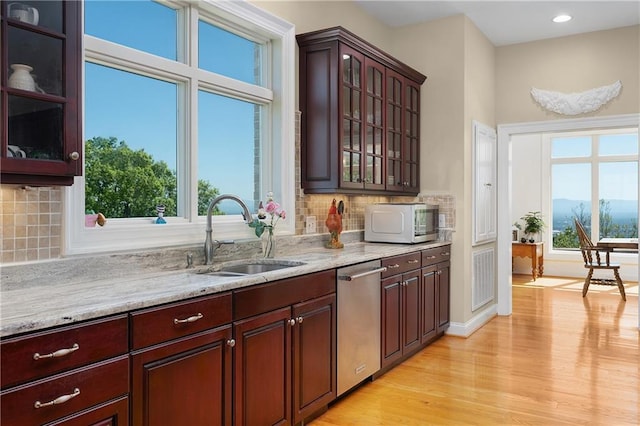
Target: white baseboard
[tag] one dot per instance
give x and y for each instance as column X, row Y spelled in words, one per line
column 466, row 329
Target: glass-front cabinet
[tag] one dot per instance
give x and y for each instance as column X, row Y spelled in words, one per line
column 360, row 117
column 362, row 125
column 41, row 123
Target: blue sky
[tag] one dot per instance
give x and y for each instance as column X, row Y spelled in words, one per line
column 618, row 181
column 142, row 111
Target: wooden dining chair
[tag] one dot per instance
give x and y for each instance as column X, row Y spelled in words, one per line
column 593, row 260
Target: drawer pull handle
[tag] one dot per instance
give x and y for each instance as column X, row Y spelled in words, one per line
column 394, row 266
column 58, row 353
column 445, row 253
column 190, row 319
column 431, row 257
column 412, row 261
column 59, row 400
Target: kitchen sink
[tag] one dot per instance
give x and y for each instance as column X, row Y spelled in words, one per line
column 251, row 267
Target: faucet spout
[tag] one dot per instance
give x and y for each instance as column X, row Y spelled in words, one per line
column 208, row 242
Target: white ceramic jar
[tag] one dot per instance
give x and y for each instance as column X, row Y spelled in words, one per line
column 21, row 77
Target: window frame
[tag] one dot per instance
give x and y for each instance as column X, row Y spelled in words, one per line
column 594, row 160
column 278, row 130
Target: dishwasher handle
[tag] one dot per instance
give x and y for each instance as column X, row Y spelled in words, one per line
column 361, row 274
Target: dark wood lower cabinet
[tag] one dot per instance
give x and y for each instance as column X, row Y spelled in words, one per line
column 285, row 366
column 284, row 358
column 401, row 309
column 314, row 356
column 415, row 303
column 186, row 381
column 443, row 296
column 263, row 369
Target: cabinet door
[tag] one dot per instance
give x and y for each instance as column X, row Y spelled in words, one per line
column 374, row 159
column 428, row 295
column 391, row 315
column 394, row 107
column 314, row 356
column 40, row 93
column 184, row 381
column 443, row 291
column 411, row 308
column 411, row 144
column 262, row 372
column 352, row 108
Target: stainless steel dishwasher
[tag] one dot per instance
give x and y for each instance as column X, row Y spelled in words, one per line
column 358, row 323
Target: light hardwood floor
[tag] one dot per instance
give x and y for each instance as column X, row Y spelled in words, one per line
column 559, row 359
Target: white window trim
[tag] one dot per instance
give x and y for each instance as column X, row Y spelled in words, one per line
column 141, row 233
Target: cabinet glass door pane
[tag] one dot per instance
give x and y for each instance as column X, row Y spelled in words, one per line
column 351, row 167
column 42, row 56
column 35, row 128
column 351, row 70
column 47, row 14
column 346, row 134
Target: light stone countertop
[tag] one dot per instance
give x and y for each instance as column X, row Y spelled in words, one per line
column 38, row 296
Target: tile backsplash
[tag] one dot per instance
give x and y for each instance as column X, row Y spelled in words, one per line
column 31, row 218
column 31, row 223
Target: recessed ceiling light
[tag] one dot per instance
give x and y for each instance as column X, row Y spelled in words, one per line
column 562, row 18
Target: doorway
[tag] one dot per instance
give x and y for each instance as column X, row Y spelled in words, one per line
column 505, row 185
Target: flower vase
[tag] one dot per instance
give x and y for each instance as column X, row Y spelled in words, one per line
column 268, row 244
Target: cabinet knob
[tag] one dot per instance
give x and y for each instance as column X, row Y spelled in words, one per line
column 231, row 343
column 299, row 319
column 74, row 156
column 292, row 322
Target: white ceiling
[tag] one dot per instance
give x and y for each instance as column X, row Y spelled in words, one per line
column 510, row 22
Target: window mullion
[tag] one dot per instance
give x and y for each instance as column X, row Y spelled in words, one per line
column 595, row 188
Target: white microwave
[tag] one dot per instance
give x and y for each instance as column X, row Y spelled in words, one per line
column 406, row 223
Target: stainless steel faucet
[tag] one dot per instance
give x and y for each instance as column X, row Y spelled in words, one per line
column 209, row 245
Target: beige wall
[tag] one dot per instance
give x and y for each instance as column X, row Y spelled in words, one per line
column 315, row 15
column 568, row 64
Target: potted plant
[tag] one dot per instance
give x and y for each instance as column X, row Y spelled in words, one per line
column 533, row 224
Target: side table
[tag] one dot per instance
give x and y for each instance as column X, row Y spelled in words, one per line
column 535, row 251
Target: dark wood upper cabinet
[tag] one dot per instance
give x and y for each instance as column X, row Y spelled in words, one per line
column 360, row 117
column 40, row 140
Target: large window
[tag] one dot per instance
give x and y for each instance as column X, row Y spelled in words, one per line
column 183, row 101
column 594, row 178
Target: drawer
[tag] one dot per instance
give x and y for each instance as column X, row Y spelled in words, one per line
column 400, row 264
column 163, row 323
column 37, row 355
column 436, row 255
column 74, row 391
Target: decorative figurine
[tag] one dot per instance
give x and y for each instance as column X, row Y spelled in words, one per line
column 334, row 223
column 160, row 210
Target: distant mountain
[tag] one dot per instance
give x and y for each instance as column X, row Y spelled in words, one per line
column 623, row 211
